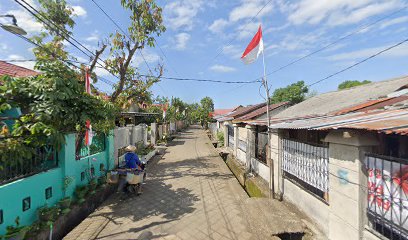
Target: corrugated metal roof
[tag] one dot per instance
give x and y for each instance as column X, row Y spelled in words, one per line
column 330, row 102
column 387, row 121
column 260, row 111
column 240, row 112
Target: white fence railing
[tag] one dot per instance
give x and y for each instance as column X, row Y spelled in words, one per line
column 307, row 164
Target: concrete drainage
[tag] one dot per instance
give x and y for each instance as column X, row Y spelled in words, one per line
column 290, row 236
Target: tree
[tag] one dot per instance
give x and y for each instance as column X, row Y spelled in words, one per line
column 351, row 83
column 53, row 103
column 294, row 93
column 146, row 22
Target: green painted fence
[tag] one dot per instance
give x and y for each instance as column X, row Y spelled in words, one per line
column 22, row 197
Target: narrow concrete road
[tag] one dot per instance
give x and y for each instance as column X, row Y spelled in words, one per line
column 190, row 194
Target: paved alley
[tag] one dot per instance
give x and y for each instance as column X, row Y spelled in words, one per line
column 190, row 194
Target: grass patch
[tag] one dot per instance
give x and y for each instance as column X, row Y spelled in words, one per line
column 253, row 190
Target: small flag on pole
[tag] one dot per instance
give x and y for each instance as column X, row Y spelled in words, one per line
column 88, row 133
column 254, row 48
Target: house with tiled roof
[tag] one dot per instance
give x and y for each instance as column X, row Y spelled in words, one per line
column 13, row 70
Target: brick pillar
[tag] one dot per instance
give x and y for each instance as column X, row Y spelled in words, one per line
column 347, row 183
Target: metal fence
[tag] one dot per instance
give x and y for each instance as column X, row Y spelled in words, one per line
column 242, row 145
column 230, row 136
column 387, row 201
column 307, row 165
column 98, row 145
column 261, row 146
column 42, row 159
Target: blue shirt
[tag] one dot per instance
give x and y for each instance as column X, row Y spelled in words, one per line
column 132, row 160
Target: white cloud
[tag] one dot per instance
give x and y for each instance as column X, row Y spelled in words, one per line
column 181, row 13
column 401, row 51
column 102, row 72
column 94, row 37
column 394, row 22
column 29, row 65
column 247, row 30
column 149, row 56
column 222, row 68
column 218, row 25
column 181, row 41
column 79, row 11
column 249, row 8
column 232, row 50
column 337, row 12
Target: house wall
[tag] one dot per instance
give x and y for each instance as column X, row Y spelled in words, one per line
column 12, row 194
column 260, row 168
column 347, row 183
column 313, row 207
column 242, row 136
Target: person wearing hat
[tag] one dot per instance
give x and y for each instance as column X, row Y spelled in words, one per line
column 131, row 158
column 133, row 162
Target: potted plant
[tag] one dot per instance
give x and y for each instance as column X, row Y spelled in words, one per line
column 17, row 232
column 48, row 214
column 80, row 193
column 102, row 180
column 64, row 204
column 92, row 185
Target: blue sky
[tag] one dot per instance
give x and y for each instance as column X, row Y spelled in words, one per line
column 198, row 30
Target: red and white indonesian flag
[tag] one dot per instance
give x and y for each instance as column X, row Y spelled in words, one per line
column 254, row 49
column 88, row 133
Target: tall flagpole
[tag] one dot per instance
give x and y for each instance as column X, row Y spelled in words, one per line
column 271, row 169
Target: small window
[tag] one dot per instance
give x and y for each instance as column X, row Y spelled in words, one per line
column 82, row 176
column 102, row 167
column 26, row 203
column 48, row 193
column 1, row 217
column 92, row 171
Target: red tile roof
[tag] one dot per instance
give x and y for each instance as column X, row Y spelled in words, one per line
column 218, row 112
column 15, row 71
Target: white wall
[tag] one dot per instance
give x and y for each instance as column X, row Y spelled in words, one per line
column 260, row 168
column 241, row 156
column 314, row 208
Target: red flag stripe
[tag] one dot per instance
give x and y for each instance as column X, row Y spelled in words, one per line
column 254, row 42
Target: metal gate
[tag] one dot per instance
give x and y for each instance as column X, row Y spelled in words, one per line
column 230, row 136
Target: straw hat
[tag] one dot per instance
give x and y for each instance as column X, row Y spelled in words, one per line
column 130, row 148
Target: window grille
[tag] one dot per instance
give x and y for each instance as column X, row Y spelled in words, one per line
column 307, row 165
column 43, row 159
column 387, row 195
column 261, row 146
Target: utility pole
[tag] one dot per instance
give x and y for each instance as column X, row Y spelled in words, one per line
column 271, row 169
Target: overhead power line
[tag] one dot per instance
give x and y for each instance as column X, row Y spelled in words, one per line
column 203, row 80
column 362, row 28
column 117, row 25
column 68, row 62
column 142, row 75
column 360, row 62
column 66, row 35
